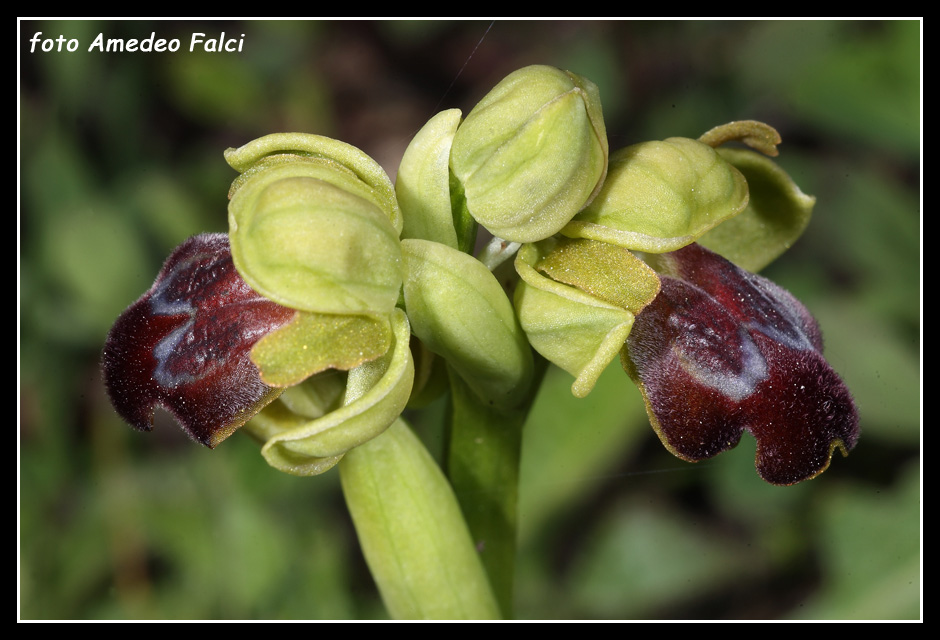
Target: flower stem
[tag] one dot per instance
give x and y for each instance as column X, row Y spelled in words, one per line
column 483, row 467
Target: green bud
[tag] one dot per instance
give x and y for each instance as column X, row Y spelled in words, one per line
column 661, row 196
column 308, row 234
column 459, row 311
column 532, row 153
column 577, row 301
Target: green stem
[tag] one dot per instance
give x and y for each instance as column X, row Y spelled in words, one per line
column 483, row 466
column 412, row 532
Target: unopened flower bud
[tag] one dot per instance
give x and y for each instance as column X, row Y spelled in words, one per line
column 532, row 153
column 423, row 186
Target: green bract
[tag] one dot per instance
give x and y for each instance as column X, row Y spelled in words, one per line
column 661, row 196
column 532, row 153
column 412, row 531
column 577, row 301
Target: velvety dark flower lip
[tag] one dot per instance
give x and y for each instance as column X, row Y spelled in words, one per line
column 185, row 345
column 721, row 350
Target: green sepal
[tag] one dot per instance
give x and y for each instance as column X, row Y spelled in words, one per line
column 579, row 331
column 412, row 532
column 459, row 311
column 315, row 342
column 532, row 153
column 310, row 145
column 375, row 395
column 313, row 244
column 776, row 214
column 423, row 181
column 277, row 167
column 661, row 196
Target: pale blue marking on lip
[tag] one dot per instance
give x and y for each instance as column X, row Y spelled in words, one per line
column 735, row 385
column 164, row 349
column 162, row 353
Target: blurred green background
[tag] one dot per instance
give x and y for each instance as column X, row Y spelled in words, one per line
column 121, row 160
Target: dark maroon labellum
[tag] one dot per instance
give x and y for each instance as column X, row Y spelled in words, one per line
column 185, row 344
column 721, row 350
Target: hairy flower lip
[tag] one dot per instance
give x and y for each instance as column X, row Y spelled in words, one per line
column 720, row 351
column 184, row 345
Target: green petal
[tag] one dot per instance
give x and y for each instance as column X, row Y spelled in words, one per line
column 578, row 331
column 314, row 342
column 755, row 134
column 606, row 271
